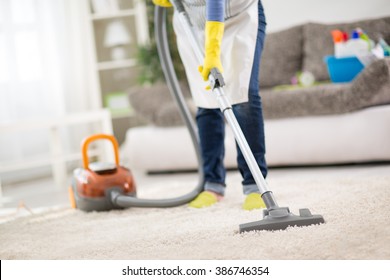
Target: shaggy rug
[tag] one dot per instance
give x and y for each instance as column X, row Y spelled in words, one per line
column 355, row 202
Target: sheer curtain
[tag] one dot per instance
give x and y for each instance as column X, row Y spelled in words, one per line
column 44, row 68
column 30, row 54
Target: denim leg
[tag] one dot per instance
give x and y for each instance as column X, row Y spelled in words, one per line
column 250, row 116
column 211, row 128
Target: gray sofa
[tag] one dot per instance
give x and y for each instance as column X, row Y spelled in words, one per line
column 322, row 124
column 303, row 48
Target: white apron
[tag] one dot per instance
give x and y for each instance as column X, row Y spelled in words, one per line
column 237, row 50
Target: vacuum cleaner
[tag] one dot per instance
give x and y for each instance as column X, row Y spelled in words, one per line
column 91, row 183
column 88, row 194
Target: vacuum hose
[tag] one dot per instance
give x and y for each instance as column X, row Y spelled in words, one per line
column 118, row 198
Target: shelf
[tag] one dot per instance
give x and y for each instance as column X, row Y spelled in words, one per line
column 117, row 76
column 116, row 14
column 121, row 116
column 109, row 65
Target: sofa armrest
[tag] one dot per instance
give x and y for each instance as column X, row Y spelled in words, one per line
column 372, row 86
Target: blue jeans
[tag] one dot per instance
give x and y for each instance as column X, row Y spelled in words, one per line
column 249, row 115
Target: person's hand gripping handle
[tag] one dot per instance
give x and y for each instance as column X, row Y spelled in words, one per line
column 214, row 30
column 213, row 39
column 162, row 3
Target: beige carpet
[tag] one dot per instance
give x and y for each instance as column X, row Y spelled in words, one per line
column 355, row 202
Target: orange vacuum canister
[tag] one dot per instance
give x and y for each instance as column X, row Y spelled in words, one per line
column 92, row 184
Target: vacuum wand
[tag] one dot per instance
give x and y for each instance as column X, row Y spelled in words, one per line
column 274, row 217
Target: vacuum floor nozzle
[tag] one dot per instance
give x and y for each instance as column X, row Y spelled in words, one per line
column 280, row 218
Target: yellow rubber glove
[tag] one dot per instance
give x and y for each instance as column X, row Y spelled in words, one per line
column 213, row 35
column 162, row 3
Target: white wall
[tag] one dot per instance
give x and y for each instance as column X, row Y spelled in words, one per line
column 281, row 14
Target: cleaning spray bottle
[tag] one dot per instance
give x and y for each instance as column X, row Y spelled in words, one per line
column 357, row 46
column 339, row 40
column 384, row 46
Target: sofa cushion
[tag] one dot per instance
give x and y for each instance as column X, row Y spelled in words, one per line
column 282, row 57
column 317, row 41
column 299, row 102
column 155, row 105
column 169, row 114
column 370, row 88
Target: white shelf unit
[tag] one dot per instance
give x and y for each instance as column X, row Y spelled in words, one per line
column 113, row 15
column 117, row 75
column 110, row 65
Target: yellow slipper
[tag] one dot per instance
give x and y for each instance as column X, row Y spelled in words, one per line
column 204, row 199
column 253, row 201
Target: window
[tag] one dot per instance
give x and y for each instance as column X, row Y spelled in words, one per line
column 46, row 70
column 30, row 70
column 4, row 77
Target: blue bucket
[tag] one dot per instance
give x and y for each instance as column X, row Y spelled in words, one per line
column 342, row 70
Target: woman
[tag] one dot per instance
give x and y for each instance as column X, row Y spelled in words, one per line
column 232, row 32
